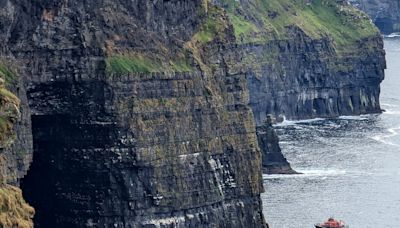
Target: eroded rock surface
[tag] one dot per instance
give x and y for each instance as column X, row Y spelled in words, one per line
column 140, row 109
column 273, row 161
column 306, row 59
column 138, row 117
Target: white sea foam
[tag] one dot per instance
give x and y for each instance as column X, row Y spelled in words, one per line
column 389, row 105
column 308, row 173
column 383, row 138
column 294, row 122
column 391, row 112
column 361, row 117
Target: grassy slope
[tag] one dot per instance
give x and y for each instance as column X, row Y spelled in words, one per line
column 14, row 211
column 131, row 63
column 213, row 27
column 7, row 74
column 265, row 20
column 258, row 22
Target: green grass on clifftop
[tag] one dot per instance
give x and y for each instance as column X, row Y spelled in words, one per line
column 7, row 74
column 263, row 20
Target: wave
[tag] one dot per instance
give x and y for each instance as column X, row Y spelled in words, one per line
column 391, row 112
column 307, row 173
column 392, row 35
column 286, row 122
column 294, row 122
column 392, row 132
column 360, row 117
column 389, row 105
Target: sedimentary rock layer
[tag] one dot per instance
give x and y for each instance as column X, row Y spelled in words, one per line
column 139, row 116
column 306, row 59
column 140, row 109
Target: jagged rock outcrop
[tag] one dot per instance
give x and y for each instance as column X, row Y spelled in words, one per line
column 140, row 115
column 273, row 161
column 384, row 13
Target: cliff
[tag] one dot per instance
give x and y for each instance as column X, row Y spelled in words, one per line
column 139, row 116
column 307, row 59
column 144, row 113
column 14, row 211
column 273, row 161
column 15, row 132
column 384, row 13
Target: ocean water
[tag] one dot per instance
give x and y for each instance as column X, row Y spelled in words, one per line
column 351, row 165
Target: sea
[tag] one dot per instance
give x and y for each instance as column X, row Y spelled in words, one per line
column 350, row 165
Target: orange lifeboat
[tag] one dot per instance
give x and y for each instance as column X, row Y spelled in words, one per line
column 331, row 223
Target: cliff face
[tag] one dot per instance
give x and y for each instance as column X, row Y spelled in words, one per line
column 140, row 109
column 306, row 59
column 15, row 132
column 14, row 211
column 384, row 13
column 139, row 115
column 316, row 81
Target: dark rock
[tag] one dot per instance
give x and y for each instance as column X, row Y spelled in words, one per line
column 314, row 81
column 273, row 161
column 137, row 117
column 140, row 109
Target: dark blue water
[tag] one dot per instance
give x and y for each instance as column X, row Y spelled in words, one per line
column 351, row 166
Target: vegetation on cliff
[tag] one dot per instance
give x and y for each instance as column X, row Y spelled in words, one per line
column 9, row 104
column 134, row 63
column 182, row 58
column 14, row 211
column 7, row 73
column 264, row 20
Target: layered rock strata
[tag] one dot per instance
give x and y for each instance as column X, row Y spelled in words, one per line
column 140, row 109
column 140, row 116
column 307, row 59
column 273, row 161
